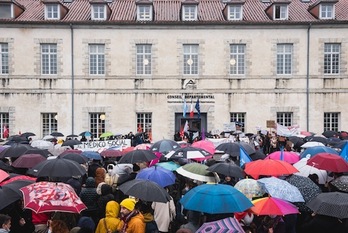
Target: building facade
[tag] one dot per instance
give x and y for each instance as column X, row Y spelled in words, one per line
column 126, row 65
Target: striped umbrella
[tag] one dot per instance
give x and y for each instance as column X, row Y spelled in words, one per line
column 230, row 225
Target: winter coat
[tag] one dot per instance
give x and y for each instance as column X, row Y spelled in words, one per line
column 106, row 196
column 89, row 194
column 136, row 224
column 113, row 222
column 164, row 213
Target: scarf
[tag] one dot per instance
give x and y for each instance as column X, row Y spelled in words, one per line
column 127, row 218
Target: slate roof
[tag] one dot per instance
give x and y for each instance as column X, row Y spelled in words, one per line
column 168, row 12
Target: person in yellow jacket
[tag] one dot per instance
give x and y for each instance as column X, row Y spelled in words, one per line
column 133, row 220
column 111, row 222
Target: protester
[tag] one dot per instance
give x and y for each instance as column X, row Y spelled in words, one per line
column 58, row 226
column 111, row 222
column 5, row 223
column 89, row 197
column 132, row 218
column 164, row 213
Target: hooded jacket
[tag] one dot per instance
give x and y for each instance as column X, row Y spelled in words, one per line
column 89, row 194
column 112, row 220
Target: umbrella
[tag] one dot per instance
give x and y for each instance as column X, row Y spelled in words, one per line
column 170, row 165
column 86, row 134
column 257, row 155
column 138, row 156
column 143, row 146
column 92, row 155
column 297, row 141
column 330, row 133
column 227, row 169
column 196, row 171
column 321, row 139
column 159, row 175
column 306, row 170
column 71, row 142
column 28, row 134
column 164, row 146
column 311, row 144
column 188, row 153
column 328, row 162
column 42, row 144
column 75, row 157
column 334, row 204
column 307, row 188
column 28, row 160
column 226, row 225
column 288, row 156
column 3, row 175
column 269, row 167
column 10, row 193
column 57, row 134
column 273, row 206
column 14, row 177
column 145, row 190
column 15, row 150
column 233, row 148
column 5, row 166
column 44, row 196
column 70, row 151
column 110, row 153
column 106, row 135
column 341, row 183
column 215, row 199
column 311, row 151
column 72, row 136
column 206, row 145
column 57, row 168
column 250, row 188
column 281, row 189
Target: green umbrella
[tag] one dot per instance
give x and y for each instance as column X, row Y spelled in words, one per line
column 106, row 135
column 197, row 171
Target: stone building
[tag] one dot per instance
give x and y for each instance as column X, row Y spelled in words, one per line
column 129, row 65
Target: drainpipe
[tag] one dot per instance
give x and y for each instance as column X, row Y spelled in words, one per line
column 72, row 79
column 307, row 77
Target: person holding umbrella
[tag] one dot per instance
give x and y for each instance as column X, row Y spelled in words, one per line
column 5, row 223
column 133, row 220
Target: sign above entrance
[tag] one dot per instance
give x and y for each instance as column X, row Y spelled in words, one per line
column 191, row 96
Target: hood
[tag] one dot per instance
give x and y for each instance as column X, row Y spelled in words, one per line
column 112, row 209
column 105, row 189
column 90, row 182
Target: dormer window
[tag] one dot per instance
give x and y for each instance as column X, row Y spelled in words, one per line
column 52, row 11
column 98, row 12
column 189, row 12
column 280, row 12
column 235, row 12
column 6, row 10
column 327, row 11
column 144, row 12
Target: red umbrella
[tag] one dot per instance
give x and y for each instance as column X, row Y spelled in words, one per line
column 328, row 162
column 273, row 206
column 288, row 156
column 3, row 175
column 111, row 153
column 71, row 151
column 269, row 167
column 19, row 177
column 206, row 145
column 51, row 197
column 28, row 160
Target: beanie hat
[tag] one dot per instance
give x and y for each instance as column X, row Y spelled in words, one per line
column 128, row 203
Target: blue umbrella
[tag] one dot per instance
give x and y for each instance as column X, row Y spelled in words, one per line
column 171, row 166
column 215, row 199
column 311, row 151
column 92, row 155
column 159, row 175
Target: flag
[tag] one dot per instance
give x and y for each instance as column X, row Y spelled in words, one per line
column 203, row 134
column 198, row 108
column 5, row 133
column 186, row 127
column 243, row 157
column 283, row 131
column 184, row 109
column 344, row 152
column 191, row 110
column 282, row 153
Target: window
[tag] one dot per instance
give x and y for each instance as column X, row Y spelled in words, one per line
column 235, row 12
column 190, row 59
column 332, row 121
column 97, row 124
column 327, row 11
column 4, row 124
column 98, row 12
column 143, row 59
column 189, row 12
column 237, row 59
column 52, row 11
column 144, row 124
column 49, row 123
column 239, row 119
column 280, row 12
column 48, row 58
column 332, row 58
column 4, row 69
column 284, row 118
column 96, row 59
column 6, row 10
column 284, row 58
column 144, row 13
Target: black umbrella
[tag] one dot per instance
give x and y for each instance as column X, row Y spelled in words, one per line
column 10, row 193
column 334, row 204
column 297, row 141
column 137, row 156
column 6, row 167
column 145, row 190
column 341, row 183
column 319, row 139
column 227, row 169
column 164, row 146
column 72, row 136
column 257, row 155
column 15, row 150
column 329, row 133
column 57, row 168
column 188, row 153
column 71, row 142
column 233, row 148
column 28, row 134
column 75, row 157
column 57, row 134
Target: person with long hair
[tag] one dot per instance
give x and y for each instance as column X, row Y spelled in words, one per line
column 57, row 226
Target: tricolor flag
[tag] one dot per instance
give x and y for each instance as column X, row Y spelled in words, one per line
column 198, row 108
column 191, row 110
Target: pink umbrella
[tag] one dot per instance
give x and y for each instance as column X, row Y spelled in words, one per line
column 3, row 175
column 143, row 146
column 288, row 156
column 206, row 145
column 273, row 206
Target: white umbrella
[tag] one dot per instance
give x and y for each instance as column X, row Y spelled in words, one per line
column 311, row 144
column 42, row 144
column 305, row 170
